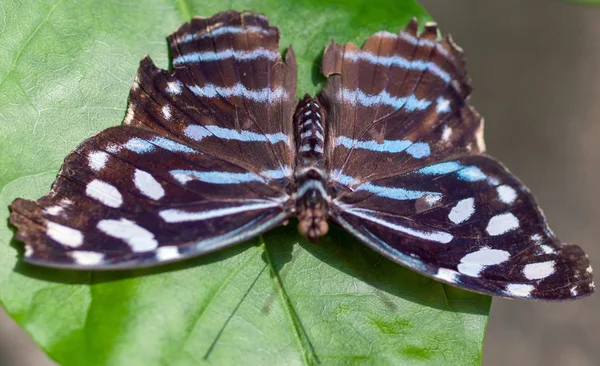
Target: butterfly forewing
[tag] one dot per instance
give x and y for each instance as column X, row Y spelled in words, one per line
column 201, row 162
column 412, row 182
column 396, row 103
column 230, row 93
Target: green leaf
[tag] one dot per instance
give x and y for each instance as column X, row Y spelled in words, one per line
column 65, row 72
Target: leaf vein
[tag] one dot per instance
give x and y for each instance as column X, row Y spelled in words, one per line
column 308, row 351
column 28, row 41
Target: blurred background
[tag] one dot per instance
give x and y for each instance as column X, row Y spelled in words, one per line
column 535, row 66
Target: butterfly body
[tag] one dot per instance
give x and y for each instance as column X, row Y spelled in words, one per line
column 219, row 150
column 311, row 195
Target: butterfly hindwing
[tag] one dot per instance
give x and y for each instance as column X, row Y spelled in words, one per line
column 412, row 182
column 467, row 222
column 201, row 162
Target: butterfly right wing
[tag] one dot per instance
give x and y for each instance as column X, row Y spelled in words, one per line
column 410, row 180
column 468, row 222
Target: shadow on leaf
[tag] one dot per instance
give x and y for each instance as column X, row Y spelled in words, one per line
column 68, row 276
column 389, row 280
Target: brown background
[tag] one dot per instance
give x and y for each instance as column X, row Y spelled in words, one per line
column 535, row 66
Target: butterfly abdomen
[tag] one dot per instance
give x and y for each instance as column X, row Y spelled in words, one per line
column 310, row 174
column 309, row 130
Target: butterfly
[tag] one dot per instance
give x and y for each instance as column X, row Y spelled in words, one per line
column 219, row 150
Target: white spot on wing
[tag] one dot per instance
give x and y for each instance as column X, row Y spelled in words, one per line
column 463, row 210
column 138, row 238
column 501, row 224
column 547, row 249
column 86, row 258
column 28, row 250
column 506, row 194
column 493, row 181
column 54, row 210
column 470, row 269
column 97, row 160
column 446, row 133
column 104, row 192
column 473, row 263
column 432, row 199
column 519, row 289
column 174, row 87
column 146, row 183
column 167, row 253
column 443, row 105
column 64, row 234
column 166, row 111
column 574, row 291
column 537, row 271
column 447, row 275
column 113, row 148
column 130, row 114
column 471, row 174
column 536, row 238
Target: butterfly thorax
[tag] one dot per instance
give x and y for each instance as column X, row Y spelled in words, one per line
column 310, row 174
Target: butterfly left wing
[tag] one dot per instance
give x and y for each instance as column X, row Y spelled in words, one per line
column 202, row 161
column 406, row 163
column 128, row 197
